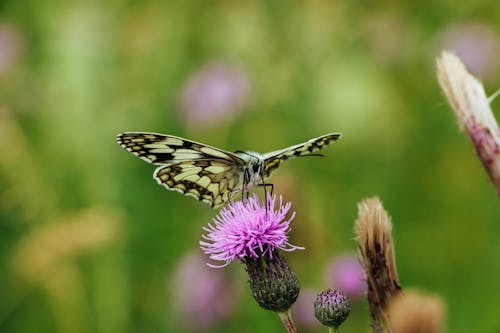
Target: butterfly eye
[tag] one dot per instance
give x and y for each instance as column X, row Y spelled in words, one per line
column 255, row 167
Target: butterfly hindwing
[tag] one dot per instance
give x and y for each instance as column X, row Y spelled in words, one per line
column 273, row 159
column 210, row 181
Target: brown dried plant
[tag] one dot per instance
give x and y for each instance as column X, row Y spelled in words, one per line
column 373, row 229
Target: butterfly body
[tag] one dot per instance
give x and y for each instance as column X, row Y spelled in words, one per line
column 252, row 170
column 207, row 173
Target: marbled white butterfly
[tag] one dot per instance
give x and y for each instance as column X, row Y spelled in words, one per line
column 207, row 173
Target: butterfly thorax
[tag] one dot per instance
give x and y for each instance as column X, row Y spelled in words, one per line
column 253, row 171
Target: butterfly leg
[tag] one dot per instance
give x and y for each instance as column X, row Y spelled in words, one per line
column 265, row 185
column 265, row 191
column 231, row 194
column 244, row 189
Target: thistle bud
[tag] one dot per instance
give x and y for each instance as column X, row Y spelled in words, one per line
column 331, row 308
column 273, row 283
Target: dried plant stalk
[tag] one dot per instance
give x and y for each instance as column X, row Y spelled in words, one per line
column 373, row 230
column 467, row 98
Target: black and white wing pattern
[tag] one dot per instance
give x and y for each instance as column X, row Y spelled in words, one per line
column 273, row 159
column 209, row 174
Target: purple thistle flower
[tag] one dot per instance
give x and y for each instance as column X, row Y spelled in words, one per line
column 245, row 229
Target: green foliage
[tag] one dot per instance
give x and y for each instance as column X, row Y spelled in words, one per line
column 89, row 242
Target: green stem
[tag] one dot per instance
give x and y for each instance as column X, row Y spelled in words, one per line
column 333, row 330
column 286, row 319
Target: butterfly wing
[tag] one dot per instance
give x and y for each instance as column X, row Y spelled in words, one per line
column 207, row 173
column 273, row 159
column 167, row 149
column 211, row 181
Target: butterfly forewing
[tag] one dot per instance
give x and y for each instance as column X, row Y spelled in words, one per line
column 273, row 159
column 166, row 149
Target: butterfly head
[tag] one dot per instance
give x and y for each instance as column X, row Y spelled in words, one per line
column 256, row 166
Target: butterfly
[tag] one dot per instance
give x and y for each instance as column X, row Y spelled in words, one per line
column 210, row 174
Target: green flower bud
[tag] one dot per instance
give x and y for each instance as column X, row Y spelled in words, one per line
column 331, row 308
column 273, row 283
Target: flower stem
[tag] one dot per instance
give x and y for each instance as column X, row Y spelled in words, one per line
column 286, row 319
column 333, row 330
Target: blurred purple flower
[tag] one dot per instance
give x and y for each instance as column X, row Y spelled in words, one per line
column 346, row 273
column 247, row 229
column 215, row 93
column 476, row 44
column 10, row 46
column 303, row 310
column 203, row 296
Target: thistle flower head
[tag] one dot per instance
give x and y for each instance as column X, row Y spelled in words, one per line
column 272, row 281
column 246, row 229
column 331, row 308
column 467, row 98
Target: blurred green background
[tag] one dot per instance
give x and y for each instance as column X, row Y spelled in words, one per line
column 90, row 243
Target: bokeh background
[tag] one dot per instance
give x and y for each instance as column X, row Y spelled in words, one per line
column 90, row 243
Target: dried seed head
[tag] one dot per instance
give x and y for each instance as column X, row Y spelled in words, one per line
column 415, row 312
column 467, row 98
column 373, row 231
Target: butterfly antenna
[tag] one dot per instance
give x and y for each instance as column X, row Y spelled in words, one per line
column 244, row 152
column 319, row 155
